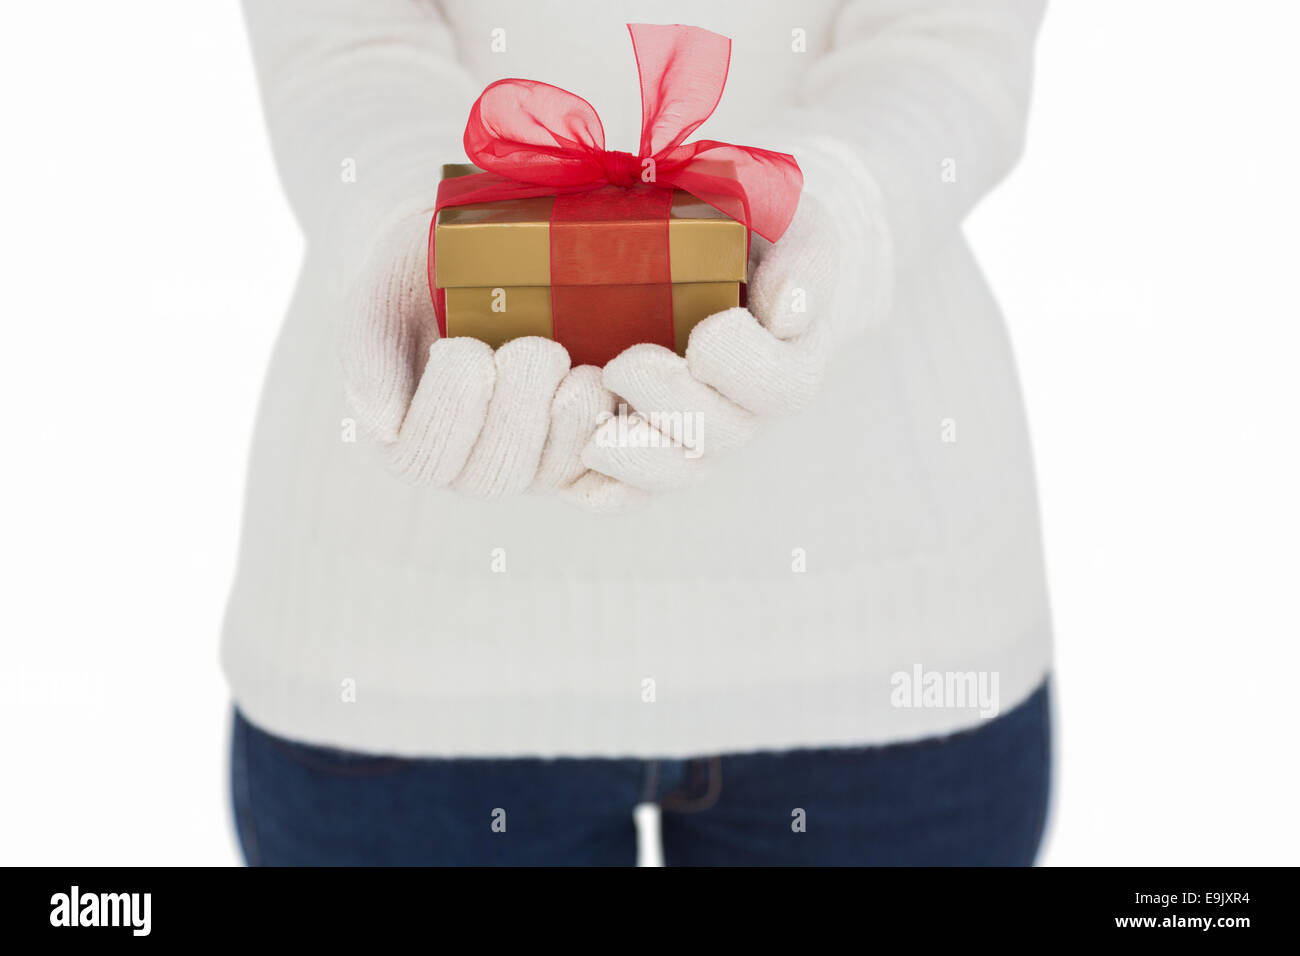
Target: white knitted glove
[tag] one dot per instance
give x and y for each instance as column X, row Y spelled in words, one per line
column 740, row 366
column 452, row 412
column 456, row 414
column 581, row 404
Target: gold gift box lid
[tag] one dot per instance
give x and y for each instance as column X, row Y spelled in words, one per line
column 507, row 243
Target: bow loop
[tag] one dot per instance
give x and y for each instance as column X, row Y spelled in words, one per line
column 534, row 132
column 683, row 71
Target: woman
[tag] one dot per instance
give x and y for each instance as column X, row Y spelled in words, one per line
column 469, row 626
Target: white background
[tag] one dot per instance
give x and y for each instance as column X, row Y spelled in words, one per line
column 1146, row 253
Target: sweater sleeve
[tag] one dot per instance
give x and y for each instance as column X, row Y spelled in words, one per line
column 364, row 99
column 914, row 112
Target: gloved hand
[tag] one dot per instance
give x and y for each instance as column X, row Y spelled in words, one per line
column 452, row 412
column 582, row 403
column 741, row 365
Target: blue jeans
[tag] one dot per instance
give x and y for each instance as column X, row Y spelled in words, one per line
column 978, row 797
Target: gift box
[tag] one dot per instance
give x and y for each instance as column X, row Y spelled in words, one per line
column 599, row 249
column 597, row 271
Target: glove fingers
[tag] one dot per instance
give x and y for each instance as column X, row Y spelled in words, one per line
column 658, row 383
column 630, row 450
column 446, row 414
column 388, row 327
column 601, row 494
column 504, row 459
column 578, row 407
column 754, row 368
column 792, row 277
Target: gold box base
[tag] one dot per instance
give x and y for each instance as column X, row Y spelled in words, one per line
column 498, row 314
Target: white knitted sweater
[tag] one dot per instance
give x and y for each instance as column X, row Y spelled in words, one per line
column 889, row 529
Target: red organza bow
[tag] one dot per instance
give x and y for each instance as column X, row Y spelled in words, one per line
column 535, row 139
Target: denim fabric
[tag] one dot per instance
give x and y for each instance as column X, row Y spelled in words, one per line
column 974, row 798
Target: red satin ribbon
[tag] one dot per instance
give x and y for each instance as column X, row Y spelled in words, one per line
column 535, row 139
